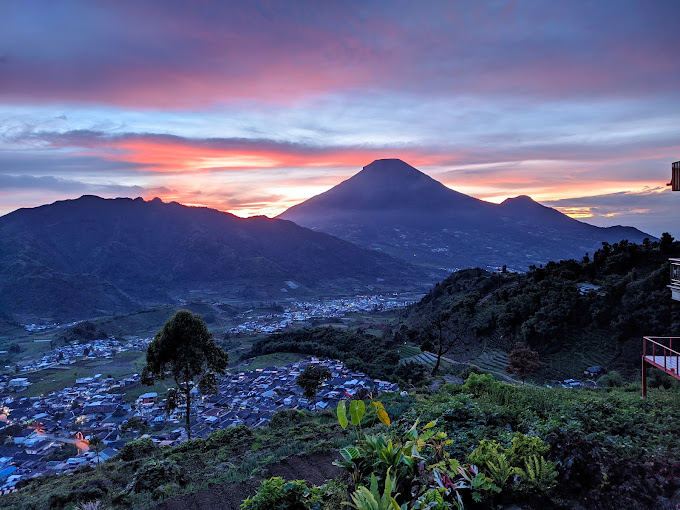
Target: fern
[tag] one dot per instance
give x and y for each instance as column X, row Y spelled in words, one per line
column 500, row 470
column 539, row 475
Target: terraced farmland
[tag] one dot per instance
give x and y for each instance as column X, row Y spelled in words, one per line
column 492, row 360
column 408, row 351
column 424, row 358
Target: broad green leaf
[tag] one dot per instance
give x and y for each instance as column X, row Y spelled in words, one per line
column 374, row 481
column 430, row 425
column 350, row 453
column 357, row 408
column 388, row 483
column 413, row 431
column 342, row 414
column 382, row 414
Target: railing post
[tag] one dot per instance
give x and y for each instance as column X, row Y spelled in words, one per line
column 644, row 379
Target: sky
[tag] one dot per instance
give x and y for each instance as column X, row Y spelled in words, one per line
column 252, row 107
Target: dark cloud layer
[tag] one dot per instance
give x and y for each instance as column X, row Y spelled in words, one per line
column 178, row 54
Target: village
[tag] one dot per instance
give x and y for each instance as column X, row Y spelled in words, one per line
column 66, row 355
column 301, row 311
column 37, row 428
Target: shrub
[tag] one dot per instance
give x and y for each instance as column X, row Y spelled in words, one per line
column 611, row 380
column 278, row 494
column 285, row 418
column 195, row 445
column 480, row 384
column 233, row 437
column 156, row 473
column 137, row 449
column 658, row 379
column 487, row 451
column 524, row 447
column 59, row 499
column 91, row 490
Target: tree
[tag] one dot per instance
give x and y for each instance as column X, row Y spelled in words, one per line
column 185, row 350
column 311, row 379
column 442, row 344
column 97, row 445
column 666, row 243
column 522, row 362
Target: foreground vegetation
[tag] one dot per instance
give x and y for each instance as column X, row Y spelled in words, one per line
column 479, row 445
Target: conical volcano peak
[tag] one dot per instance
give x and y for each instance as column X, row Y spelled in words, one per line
column 521, row 199
column 391, row 165
column 386, row 189
column 391, row 170
column 392, row 177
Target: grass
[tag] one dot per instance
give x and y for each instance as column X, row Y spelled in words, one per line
column 277, row 359
column 375, row 332
column 54, row 379
column 133, row 392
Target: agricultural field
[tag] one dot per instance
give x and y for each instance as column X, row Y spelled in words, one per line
column 277, row 359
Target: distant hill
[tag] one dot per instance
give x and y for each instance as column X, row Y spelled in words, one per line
column 92, row 256
column 392, row 207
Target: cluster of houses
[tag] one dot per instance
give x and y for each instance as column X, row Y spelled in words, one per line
column 33, row 430
column 43, row 327
column 70, row 353
column 307, row 310
column 591, row 373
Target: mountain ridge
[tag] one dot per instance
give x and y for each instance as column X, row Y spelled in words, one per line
column 91, row 256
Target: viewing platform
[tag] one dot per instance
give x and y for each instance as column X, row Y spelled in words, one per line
column 659, row 352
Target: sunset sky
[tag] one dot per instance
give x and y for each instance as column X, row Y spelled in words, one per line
column 252, row 107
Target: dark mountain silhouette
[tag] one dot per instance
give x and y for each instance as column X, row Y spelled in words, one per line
column 92, row 256
column 392, row 207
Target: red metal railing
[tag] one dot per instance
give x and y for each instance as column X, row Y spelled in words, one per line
column 658, row 351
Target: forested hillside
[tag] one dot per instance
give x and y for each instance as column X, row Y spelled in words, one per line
column 595, row 310
column 376, row 357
